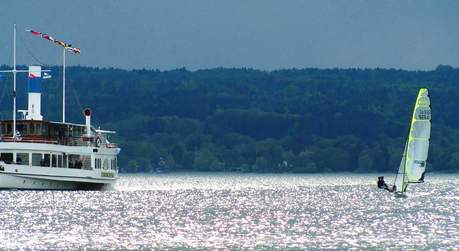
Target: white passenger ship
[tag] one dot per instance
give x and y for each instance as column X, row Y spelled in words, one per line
column 38, row 154
column 54, row 155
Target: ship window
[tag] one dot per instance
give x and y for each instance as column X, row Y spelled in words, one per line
column 46, row 160
column 65, row 158
column 80, row 161
column 97, row 163
column 54, row 160
column 105, row 166
column 44, row 130
column 6, row 157
column 8, row 131
column 38, row 129
column 59, row 160
column 20, row 128
column 72, row 161
column 26, row 129
column 22, row 159
column 36, row 159
column 32, row 129
column 113, row 164
column 75, row 161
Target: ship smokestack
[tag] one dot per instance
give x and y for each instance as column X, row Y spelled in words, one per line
column 34, row 89
column 87, row 114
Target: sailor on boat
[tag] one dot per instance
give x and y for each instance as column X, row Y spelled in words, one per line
column 382, row 184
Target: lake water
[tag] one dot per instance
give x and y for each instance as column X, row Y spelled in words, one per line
column 235, row 211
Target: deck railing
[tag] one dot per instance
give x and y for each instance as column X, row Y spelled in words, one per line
column 69, row 141
column 29, row 140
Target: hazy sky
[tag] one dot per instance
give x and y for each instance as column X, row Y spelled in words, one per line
column 262, row 34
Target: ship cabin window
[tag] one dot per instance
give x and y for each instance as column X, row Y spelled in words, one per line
column 25, row 128
column 22, row 159
column 97, row 163
column 44, row 129
column 31, row 129
column 80, row 161
column 6, row 157
column 21, row 129
column 37, row 129
column 105, row 165
column 75, row 131
column 46, row 160
column 113, row 164
column 36, row 159
column 54, row 160
column 59, row 161
column 64, row 161
column 7, row 129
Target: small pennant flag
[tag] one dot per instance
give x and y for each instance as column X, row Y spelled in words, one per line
column 46, row 75
column 61, row 43
column 48, row 37
column 75, row 50
column 36, row 33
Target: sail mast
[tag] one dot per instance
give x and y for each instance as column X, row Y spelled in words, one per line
column 404, row 183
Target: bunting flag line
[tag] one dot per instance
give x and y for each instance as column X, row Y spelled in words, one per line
column 59, row 42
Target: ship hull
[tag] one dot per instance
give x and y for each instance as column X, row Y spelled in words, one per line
column 25, row 182
column 47, row 178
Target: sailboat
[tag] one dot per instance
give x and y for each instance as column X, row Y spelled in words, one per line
column 413, row 165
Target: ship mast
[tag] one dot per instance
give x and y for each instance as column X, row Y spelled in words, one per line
column 14, row 71
column 14, row 82
column 63, row 86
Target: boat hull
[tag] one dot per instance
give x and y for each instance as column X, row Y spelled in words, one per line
column 24, row 182
column 14, row 176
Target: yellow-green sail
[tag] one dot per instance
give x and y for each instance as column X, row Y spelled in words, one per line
column 413, row 164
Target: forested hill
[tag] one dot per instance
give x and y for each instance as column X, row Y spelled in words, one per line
column 308, row 120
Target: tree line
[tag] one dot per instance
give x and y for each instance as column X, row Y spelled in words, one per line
column 294, row 120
